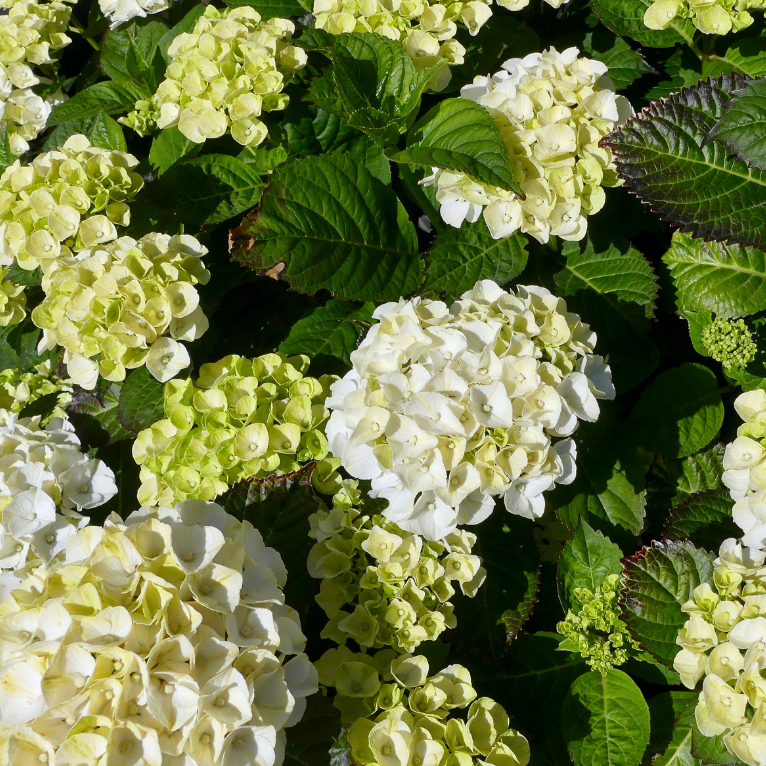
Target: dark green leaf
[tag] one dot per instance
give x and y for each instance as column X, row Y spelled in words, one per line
column 745, row 56
column 705, row 519
column 461, row 135
column 662, row 156
column 672, row 718
column 587, row 560
column 333, row 330
column 459, row 258
column 141, row 401
column 130, row 50
column 625, row 64
column 169, row 146
column 712, row 750
column 626, row 17
column 311, row 742
column 605, row 720
column 106, row 133
column 690, row 476
column 679, row 413
column 6, row 156
column 108, row 97
column 657, row 581
column 23, row 276
column 94, row 414
column 329, row 223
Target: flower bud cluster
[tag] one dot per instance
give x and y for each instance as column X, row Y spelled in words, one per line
column 426, row 29
column 30, row 33
column 242, row 419
column 711, row 17
column 112, row 307
column 594, row 628
column 42, row 471
column 419, row 722
column 396, row 585
column 724, row 642
column 730, row 342
column 68, row 199
column 13, row 300
column 222, row 76
column 744, row 464
column 552, row 110
column 18, row 389
column 121, row 11
column 155, row 640
column 446, row 408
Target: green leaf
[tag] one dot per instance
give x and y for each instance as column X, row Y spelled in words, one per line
column 679, row 412
column 141, row 401
column 626, row 18
column 106, row 133
column 23, row 276
column 698, row 321
column 487, row 622
column 108, row 97
column 742, row 128
column 94, row 414
column 657, row 581
column 6, row 156
column 623, row 276
column 273, row 8
column 705, row 519
column 605, row 720
column 169, row 146
column 318, row 133
column 625, row 64
column 728, row 280
column 662, row 156
column 587, row 560
column 745, row 56
column 459, row 258
column 312, row 741
column 609, row 487
column 130, row 50
column 332, row 330
column 690, row 476
column 331, row 224
column 458, row 134
column 711, row 750
column 672, row 719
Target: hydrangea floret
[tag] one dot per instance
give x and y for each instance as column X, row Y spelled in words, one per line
column 160, row 638
column 420, row 720
column 242, row 419
column 594, row 628
column 68, row 199
column 18, row 389
column 13, row 300
column 30, row 34
column 121, row 11
column 383, row 586
column 125, row 304
column 222, row 76
column 446, row 408
column 45, row 483
column 711, row 17
column 426, row 29
column 552, row 110
column 723, row 643
column 730, row 342
column 744, row 463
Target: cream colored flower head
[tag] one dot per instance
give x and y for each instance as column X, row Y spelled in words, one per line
column 223, row 75
column 552, row 110
column 711, row 17
column 18, row 389
column 122, row 305
column 65, row 200
column 447, row 408
column 121, row 11
column 162, row 637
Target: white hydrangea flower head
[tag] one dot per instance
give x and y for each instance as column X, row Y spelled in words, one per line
column 711, row 17
column 744, row 465
column 159, row 640
column 723, row 644
column 121, row 301
column 43, row 471
column 121, row 11
column 446, row 408
column 13, row 300
column 552, row 110
column 426, row 29
column 222, row 76
column 68, row 199
column 18, row 389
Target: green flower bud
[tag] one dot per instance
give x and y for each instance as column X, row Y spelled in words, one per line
column 729, row 341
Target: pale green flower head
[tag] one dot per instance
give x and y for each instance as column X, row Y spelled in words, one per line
column 18, row 389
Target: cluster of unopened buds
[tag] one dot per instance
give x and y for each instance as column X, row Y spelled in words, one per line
column 552, row 110
column 730, row 342
column 65, row 200
column 232, row 67
column 397, row 585
column 112, row 307
column 711, row 17
column 30, row 34
column 242, row 419
column 419, row 722
column 19, row 389
column 43, row 474
column 446, row 408
column 724, row 643
column 168, row 637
